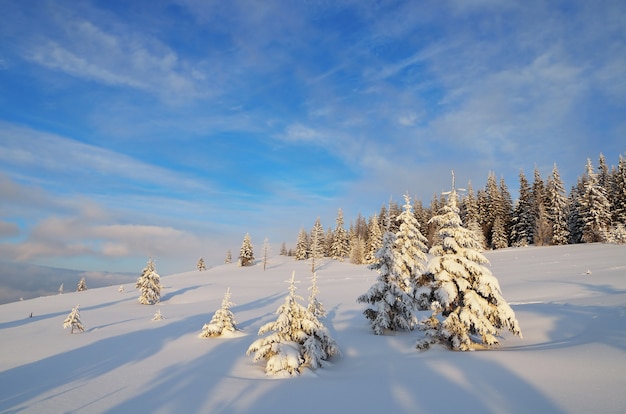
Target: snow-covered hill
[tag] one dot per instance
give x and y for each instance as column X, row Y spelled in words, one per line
column 570, row 302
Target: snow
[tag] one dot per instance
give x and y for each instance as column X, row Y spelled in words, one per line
column 572, row 357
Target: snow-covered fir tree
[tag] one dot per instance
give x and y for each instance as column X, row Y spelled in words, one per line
column 82, row 285
column 121, row 289
column 470, row 215
column 390, row 306
column 340, row 246
column 228, row 259
column 223, row 319
column 149, row 284
column 542, row 231
column 201, row 266
column 522, row 232
column 410, row 245
column 461, row 290
column 246, row 253
column 302, row 246
column 556, row 208
column 296, row 340
column 315, row 306
column 61, row 289
column 357, row 251
column 317, row 243
column 73, row 321
column 374, row 239
column 283, row 249
column 158, row 316
column 594, row 208
column 619, row 192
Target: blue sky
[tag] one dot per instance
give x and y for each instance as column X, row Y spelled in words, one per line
column 172, row 128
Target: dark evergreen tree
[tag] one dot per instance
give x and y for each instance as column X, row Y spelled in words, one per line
column 542, row 233
column 340, row 243
column 594, row 208
column 522, row 231
column 557, row 208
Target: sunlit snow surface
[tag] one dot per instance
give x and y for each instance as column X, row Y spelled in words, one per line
column 570, row 302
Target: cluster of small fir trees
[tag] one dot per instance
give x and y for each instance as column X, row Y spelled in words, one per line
column 296, row 339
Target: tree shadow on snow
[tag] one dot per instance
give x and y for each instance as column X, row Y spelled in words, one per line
column 88, row 362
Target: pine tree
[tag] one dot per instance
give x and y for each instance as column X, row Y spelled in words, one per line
column 315, row 306
column 594, row 208
column 317, row 243
column 619, row 192
column 246, row 254
column 158, row 316
column 223, row 319
column 542, row 233
column 460, row 288
column 574, row 219
column 228, row 258
column 470, row 208
column 522, row 232
column 391, row 307
column 357, row 251
column 283, row 249
column 73, row 321
column 410, row 245
column 339, row 248
column 200, row 265
column 557, row 208
column 302, row 246
column 82, row 285
column 149, row 285
column 61, row 289
column 297, row 339
column 374, row 240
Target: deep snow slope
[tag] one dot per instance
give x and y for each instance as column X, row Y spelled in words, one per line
column 570, row 302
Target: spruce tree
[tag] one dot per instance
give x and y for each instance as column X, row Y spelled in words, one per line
column 557, row 208
column 594, row 208
column 223, row 319
column 297, row 339
column 228, row 258
column 302, row 246
column 522, row 232
column 374, row 240
column 542, row 233
column 470, row 208
column 390, row 306
column 73, row 321
column 619, row 192
column 82, row 285
column 200, row 265
column 410, row 245
column 149, row 284
column 340, row 245
column 461, row 290
column 246, row 253
column 317, row 243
